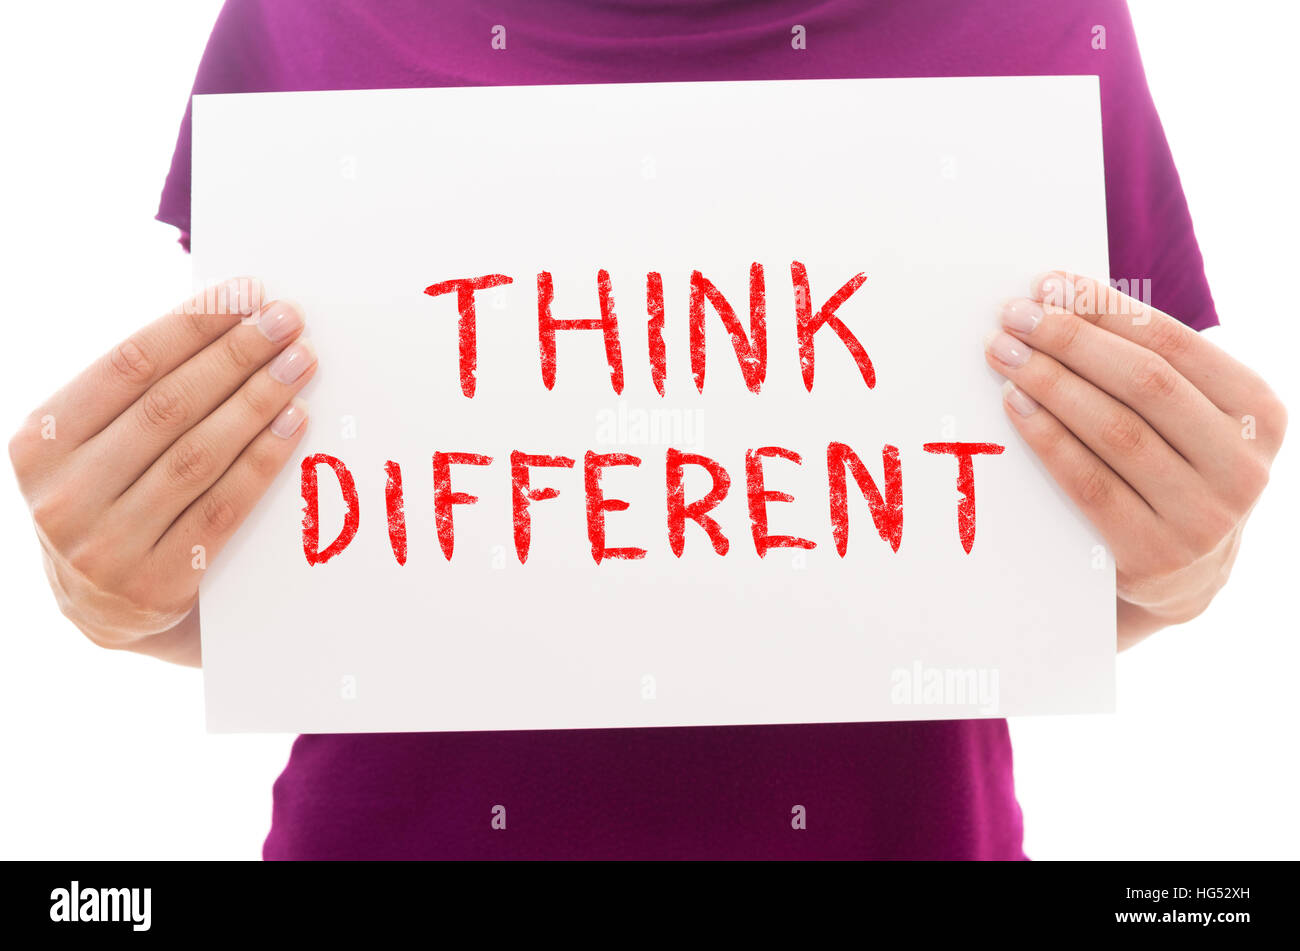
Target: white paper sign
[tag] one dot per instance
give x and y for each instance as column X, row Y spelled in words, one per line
column 919, row 204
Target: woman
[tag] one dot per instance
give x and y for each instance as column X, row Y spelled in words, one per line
column 1162, row 440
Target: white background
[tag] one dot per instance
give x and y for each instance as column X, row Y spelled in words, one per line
column 105, row 754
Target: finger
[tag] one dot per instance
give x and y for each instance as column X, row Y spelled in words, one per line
column 108, row 386
column 1107, row 500
column 1133, row 375
column 172, row 406
column 213, row 517
column 191, row 465
column 1116, row 434
column 1229, row 384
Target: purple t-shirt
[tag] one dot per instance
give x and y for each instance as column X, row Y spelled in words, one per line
column 938, row 789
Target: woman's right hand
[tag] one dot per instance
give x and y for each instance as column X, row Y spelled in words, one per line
column 140, row 469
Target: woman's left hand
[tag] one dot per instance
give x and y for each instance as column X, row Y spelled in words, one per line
column 1162, row 439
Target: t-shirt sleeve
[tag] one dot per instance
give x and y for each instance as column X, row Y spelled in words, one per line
column 1150, row 228
column 237, row 59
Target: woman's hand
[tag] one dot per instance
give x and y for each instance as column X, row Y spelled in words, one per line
column 1161, row 438
column 140, row 469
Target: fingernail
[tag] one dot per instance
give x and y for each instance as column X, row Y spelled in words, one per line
column 292, row 362
column 1021, row 315
column 1007, row 349
column 280, row 320
column 290, row 418
column 1017, row 398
